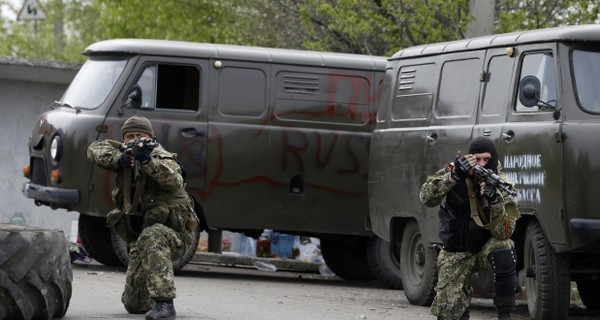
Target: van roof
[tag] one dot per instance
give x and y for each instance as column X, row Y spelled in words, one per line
column 233, row 52
column 589, row 32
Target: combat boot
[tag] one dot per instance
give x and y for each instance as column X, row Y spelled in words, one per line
column 163, row 310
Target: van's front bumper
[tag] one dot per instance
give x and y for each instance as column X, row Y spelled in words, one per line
column 50, row 195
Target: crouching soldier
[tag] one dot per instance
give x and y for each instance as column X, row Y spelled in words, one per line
column 153, row 214
column 476, row 222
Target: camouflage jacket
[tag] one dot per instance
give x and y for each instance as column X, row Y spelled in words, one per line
column 161, row 196
column 503, row 215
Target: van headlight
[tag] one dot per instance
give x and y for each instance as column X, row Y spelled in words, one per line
column 56, row 148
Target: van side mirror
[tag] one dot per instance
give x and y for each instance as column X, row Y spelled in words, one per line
column 134, row 99
column 529, row 91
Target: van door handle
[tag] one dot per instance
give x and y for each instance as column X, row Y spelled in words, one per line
column 430, row 138
column 191, row 133
column 508, row 136
column 487, row 132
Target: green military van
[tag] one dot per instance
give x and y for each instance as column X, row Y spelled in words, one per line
column 269, row 139
column 537, row 95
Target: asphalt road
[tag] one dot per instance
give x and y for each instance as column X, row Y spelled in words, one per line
column 208, row 291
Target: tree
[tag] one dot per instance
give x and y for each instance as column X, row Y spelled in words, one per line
column 379, row 27
column 375, row 27
column 516, row 15
column 61, row 36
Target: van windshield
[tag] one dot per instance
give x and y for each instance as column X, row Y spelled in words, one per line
column 93, row 82
column 586, row 74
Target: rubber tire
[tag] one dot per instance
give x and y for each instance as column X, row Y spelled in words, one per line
column 384, row 261
column 418, row 266
column 346, row 256
column 35, row 273
column 588, row 292
column 548, row 283
column 122, row 250
column 96, row 240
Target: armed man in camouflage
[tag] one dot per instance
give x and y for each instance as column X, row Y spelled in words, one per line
column 476, row 222
column 154, row 215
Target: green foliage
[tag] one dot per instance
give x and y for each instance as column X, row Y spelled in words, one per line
column 61, row 36
column 381, row 27
column 376, row 27
column 535, row 14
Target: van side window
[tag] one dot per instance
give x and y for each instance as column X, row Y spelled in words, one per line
column 414, row 92
column 166, row 86
column 242, row 92
column 541, row 65
column 586, row 72
column 499, row 70
column 322, row 98
column 459, row 88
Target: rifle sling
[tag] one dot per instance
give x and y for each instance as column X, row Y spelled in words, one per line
column 131, row 205
column 476, row 212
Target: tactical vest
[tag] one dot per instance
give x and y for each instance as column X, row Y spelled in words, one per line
column 458, row 231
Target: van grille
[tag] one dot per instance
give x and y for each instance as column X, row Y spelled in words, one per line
column 301, row 84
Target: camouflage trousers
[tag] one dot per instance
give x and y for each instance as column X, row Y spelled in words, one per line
column 455, row 270
column 150, row 275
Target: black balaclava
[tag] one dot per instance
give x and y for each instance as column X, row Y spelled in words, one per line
column 481, row 145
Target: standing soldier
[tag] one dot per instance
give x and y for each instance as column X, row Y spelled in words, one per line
column 476, row 222
column 154, row 215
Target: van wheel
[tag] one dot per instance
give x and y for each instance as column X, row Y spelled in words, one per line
column 418, row 266
column 96, row 240
column 346, row 256
column 384, row 261
column 35, row 273
column 122, row 250
column 547, row 282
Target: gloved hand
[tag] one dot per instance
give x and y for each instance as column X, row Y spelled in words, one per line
column 489, row 191
column 461, row 168
column 125, row 159
column 142, row 155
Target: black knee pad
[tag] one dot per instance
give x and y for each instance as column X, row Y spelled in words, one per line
column 504, row 266
column 503, row 261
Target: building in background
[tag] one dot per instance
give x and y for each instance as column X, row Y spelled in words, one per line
column 27, row 89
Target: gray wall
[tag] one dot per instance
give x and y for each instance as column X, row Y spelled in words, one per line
column 27, row 88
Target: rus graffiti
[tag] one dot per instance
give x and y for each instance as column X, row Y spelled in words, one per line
column 526, row 171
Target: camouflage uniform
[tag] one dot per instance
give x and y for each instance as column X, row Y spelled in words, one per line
column 157, row 223
column 455, row 269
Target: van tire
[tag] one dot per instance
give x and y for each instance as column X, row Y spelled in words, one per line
column 96, row 240
column 122, row 250
column 548, row 283
column 384, row 261
column 418, row 266
column 346, row 256
column 35, row 273
column 588, row 292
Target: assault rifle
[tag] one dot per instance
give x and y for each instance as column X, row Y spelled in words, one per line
column 492, row 178
column 139, row 146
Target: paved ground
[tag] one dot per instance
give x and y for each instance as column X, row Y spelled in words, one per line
column 221, row 292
